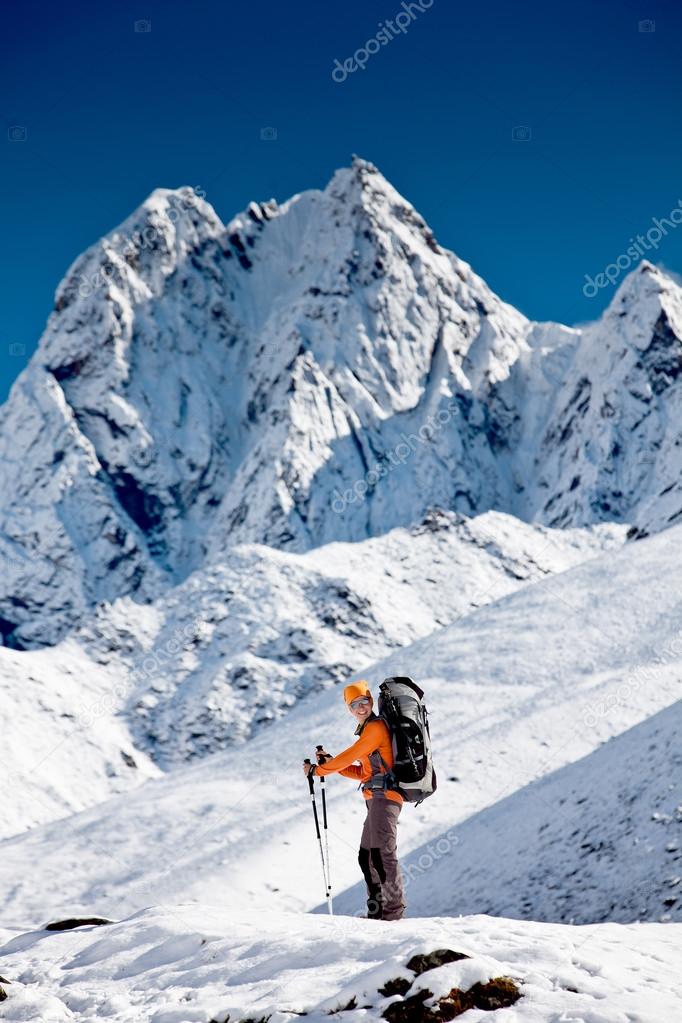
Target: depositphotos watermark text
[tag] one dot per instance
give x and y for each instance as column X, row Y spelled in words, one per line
column 388, row 31
column 400, row 454
column 641, row 244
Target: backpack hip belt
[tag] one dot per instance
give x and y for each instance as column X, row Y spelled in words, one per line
column 380, row 780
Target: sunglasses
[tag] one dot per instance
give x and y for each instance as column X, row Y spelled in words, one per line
column 362, row 701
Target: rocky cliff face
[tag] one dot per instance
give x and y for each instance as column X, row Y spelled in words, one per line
column 321, row 370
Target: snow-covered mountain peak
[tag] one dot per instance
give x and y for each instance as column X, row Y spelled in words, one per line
column 361, row 181
column 174, row 212
column 640, row 332
column 315, row 370
column 138, row 255
column 364, row 189
column 603, row 441
column 645, row 279
column 647, row 301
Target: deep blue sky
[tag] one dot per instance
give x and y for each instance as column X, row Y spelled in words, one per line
column 110, row 113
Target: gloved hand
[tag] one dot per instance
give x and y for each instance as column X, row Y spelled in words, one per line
column 322, row 756
column 308, row 769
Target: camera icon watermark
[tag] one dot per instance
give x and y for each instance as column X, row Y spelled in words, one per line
column 521, row 133
column 16, row 348
column 646, row 25
column 143, row 25
column 268, row 134
column 17, row 133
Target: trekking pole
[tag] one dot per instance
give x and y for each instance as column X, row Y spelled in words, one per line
column 319, row 836
column 326, row 839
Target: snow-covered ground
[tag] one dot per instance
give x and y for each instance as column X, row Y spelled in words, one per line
column 517, row 690
column 63, row 748
column 195, row 964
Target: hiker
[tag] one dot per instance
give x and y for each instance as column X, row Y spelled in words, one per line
column 378, row 856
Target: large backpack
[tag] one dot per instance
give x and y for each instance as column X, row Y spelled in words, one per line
column 402, row 707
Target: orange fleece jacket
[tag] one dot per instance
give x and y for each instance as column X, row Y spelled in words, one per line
column 373, row 735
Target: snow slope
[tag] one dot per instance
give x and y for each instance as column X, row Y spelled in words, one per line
column 599, row 839
column 516, row 690
column 63, row 749
column 195, row 964
column 232, row 647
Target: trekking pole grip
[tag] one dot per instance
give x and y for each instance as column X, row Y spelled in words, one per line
column 322, row 756
column 310, row 777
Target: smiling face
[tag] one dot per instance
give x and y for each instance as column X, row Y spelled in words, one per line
column 361, row 707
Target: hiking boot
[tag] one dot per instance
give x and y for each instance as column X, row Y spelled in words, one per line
column 374, row 904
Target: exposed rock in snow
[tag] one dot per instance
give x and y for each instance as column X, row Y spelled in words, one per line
column 183, row 963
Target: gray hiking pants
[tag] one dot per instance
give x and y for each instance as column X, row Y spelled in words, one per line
column 378, row 859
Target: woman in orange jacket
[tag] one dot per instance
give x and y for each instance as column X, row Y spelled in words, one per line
column 369, row 761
